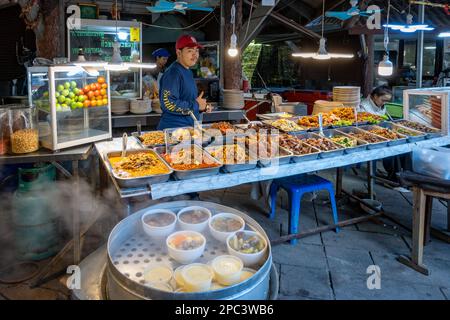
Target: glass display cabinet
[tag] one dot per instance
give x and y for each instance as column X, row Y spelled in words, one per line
column 429, row 106
column 73, row 104
column 95, row 38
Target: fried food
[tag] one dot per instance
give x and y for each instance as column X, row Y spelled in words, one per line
column 153, row 138
column 138, row 165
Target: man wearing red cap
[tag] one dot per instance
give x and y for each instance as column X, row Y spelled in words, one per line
column 178, row 92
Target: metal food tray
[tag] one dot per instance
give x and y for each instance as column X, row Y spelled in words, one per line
column 393, row 126
column 323, row 154
column 428, row 135
column 206, row 139
column 370, row 145
column 305, row 157
column 391, row 142
column 227, row 139
column 236, row 166
column 269, row 122
column 196, row 173
column 140, row 181
column 139, row 141
column 284, row 157
column 361, row 144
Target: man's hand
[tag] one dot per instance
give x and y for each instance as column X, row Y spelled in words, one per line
column 201, row 102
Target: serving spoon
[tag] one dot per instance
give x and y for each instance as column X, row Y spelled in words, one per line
column 124, row 144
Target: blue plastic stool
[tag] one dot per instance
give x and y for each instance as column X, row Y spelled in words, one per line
column 296, row 187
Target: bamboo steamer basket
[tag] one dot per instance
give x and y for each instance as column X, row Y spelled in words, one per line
column 322, row 106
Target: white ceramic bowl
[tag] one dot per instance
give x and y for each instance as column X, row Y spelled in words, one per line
column 199, row 227
column 223, row 235
column 185, row 256
column 227, row 269
column 158, row 232
column 249, row 259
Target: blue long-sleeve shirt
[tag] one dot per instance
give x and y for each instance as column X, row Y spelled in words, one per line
column 177, row 94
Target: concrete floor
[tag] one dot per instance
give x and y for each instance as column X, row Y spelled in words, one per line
column 325, row 266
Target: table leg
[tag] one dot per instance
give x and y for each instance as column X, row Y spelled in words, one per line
column 103, row 176
column 428, row 213
column 339, row 173
column 448, row 215
column 370, row 180
column 76, row 217
column 418, row 234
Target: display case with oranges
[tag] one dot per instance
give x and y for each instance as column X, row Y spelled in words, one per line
column 73, row 104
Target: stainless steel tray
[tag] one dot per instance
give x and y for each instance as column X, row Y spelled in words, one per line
column 370, row 145
column 236, row 167
column 391, row 143
column 361, row 144
column 323, row 154
column 269, row 122
column 412, row 137
column 141, row 181
column 136, row 135
column 284, row 157
column 197, row 173
column 428, row 135
column 205, row 139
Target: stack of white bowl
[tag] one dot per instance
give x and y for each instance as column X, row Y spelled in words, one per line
column 349, row 96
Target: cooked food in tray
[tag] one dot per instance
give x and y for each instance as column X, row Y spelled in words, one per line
column 229, row 154
column 368, row 137
column 138, row 165
column 286, row 125
column 189, row 158
column 406, row 132
column 185, row 241
column 370, row 118
column 153, row 138
column 386, row 133
column 346, row 142
column 223, row 126
column 322, row 144
column 184, row 134
column 295, row 145
column 417, row 126
column 347, row 113
column 313, row 121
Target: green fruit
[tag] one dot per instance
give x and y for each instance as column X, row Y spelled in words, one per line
column 64, row 105
column 61, row 99
column 79, row 104
column 71, row 95
column 76, row 91
column 73, row 84
column 60, row 87
column 81, row 98
column 65, row 92
column 57, row 94
column 67, row 85
column 45, row 94
column 73, row 105
column 58, row 105
column 68, row 101
column 58, row 108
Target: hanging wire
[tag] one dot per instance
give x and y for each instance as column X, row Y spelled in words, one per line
column 386, row 29
column 249, row 19
column 233, row 15
column 323, row 16
column 183, row 28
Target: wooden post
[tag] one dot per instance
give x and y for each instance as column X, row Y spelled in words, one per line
column 232, row 71
column 368, row 66
column 418, row 226
column 43, row 17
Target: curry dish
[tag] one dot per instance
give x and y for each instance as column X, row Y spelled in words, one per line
column 138, row 165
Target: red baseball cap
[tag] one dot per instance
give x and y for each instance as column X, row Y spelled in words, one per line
column 187, row 41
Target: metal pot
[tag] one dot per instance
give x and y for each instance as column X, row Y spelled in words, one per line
column 126, row 255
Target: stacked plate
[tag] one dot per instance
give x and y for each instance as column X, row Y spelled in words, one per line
column 120, row 105
column 141, row 106
column 436, row 111
column 349, row 96
column 326, row 106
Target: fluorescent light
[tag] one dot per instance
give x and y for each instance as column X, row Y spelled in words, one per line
column 140, row 65
column 444, row 34
column 322, row 54
column 430, row 48
column 409, row 28
column 92, row 64
column 116, row 67
column 122, row 36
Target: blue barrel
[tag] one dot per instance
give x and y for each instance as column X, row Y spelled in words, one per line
column 36, row 226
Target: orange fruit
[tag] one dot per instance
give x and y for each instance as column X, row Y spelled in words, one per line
column 87, row 103
column 91, row 94
column 93, row 103
column 97, row 93
column 93, row 87
column 104, row 85
column 101, row 80
column 103, row 92
column 86, row 89
column 99, row 98
column 105, row 102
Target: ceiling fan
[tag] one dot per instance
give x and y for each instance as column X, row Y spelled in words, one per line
column 179, row 6
column 353, row 11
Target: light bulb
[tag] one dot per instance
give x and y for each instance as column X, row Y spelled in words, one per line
column 444, row 34
column 233, row 51
column 385, row 68
column 122, row 36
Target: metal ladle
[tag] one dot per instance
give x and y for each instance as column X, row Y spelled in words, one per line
column 124, row 144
